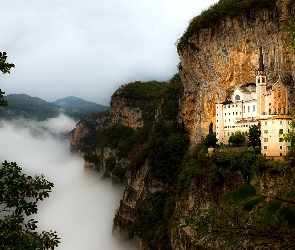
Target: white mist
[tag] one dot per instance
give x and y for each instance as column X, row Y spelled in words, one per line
column 81, row 206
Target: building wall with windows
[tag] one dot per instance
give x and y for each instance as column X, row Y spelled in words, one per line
column 259, row 103
column 272, row 143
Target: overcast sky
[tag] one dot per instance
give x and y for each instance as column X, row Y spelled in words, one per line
column 89, row 48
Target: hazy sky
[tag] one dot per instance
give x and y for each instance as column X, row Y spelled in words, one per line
column 89, row 48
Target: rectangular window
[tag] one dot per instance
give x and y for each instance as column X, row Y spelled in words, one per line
column 281, row 122
column 281, row 140
column 248, row 108
column 233, row 113
column 265, row 131
column 229, row 120
column 236, row 113
column 253, row 108
column 281, row 147
column 265, row 123
column 217, row 120
column 244, row 109
column 224, row 114
column 281, row 131
column 265, row 147
column 265, row 139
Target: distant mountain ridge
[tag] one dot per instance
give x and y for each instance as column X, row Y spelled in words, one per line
column 74, row 101
column 25, row 106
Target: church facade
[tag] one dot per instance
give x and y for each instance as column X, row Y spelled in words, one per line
column 260, row 103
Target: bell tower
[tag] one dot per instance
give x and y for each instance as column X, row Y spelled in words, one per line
column 261, row 86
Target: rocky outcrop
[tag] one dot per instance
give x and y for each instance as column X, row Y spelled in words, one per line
column 226, row 55
column 121, row 112
column 85, row 129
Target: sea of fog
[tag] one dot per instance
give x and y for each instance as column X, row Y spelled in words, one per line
column 81, row 206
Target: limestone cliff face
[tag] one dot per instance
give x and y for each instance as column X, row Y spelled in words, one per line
column 86, row 128
column 124, row 114
column 227, row 55
column 120, row 112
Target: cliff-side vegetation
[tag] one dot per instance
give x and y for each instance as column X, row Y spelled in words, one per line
column 256, row 220
column 141, row 95
column 262, row 218
column 114, row 135
column 139, row 91
column 90, row 123
column 152, row 221
column 159, row 103
column 162, row 146
column 222, row 9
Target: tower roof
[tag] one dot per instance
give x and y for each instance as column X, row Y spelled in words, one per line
column 261, row 65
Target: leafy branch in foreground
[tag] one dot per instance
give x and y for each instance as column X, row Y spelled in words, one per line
column 19, row 195
column 247, row 220
column 4, row 68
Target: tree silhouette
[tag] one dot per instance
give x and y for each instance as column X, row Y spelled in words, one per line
column 19, row 195
column 254, row 136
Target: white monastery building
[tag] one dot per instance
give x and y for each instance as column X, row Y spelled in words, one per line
column 260, row 103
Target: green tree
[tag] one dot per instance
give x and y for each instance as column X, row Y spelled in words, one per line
column 290, row 137
column 254, row 136
column 211, row 140
column 211, row 128
column 4, row 68
column 237, row 138
column 19, row 195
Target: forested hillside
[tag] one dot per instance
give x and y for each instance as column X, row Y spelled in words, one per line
column 25, row 106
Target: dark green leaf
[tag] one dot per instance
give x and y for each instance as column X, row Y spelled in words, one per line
column 250, row 204
column 244, row 192
column 274, row 206
column 287, row 213
column 291, row 193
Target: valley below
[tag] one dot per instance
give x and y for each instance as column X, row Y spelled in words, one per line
column 82, row 205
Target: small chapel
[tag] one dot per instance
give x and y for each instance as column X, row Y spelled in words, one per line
column 261, row 103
